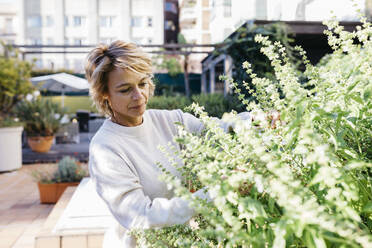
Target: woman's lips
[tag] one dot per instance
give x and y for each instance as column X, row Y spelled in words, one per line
column 137, row 107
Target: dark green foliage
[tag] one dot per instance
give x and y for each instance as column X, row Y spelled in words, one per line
column 242, row 47
column 168, row 102
column 215, row 104
column 169, row 63
column 14, row 83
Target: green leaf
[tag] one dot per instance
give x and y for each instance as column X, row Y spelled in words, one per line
column 314, row 240
column 367, row 208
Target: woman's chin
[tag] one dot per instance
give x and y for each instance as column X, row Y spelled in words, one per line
column 138, row 111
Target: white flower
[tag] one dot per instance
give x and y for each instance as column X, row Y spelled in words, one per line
column 56, row 116
column 29, row 97
column 259, row 184
column 36, row 93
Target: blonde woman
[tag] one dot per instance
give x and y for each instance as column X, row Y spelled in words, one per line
column 123, row 153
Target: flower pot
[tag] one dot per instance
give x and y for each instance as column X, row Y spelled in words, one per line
column 40, row 143
column 10, row 148
column 51, row 192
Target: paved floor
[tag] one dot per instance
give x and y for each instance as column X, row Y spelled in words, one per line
column 21, row 214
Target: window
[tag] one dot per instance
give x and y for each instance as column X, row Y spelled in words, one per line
column 149, row 41
column 136, row 21
column 8, row 25
column 34, row 41
column 67, row 64
column 106, row 40
column 78, row 41
column 137, row 40
column 66, row 41
column 66, row 21
column 78, row 65
column 79, row 21
column 106, row 21
column 34, row 21
column 149, row 21
column 170, row 7
column 49, row 21
column 169, row 25
column 227, row 8
column 213, row 10
column 50, row 41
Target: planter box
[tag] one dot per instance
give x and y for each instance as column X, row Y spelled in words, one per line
column 51, row 192
column 10, row 148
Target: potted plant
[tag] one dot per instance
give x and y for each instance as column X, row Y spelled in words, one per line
column 42, row 119
column 53, row 183
column 14, row 86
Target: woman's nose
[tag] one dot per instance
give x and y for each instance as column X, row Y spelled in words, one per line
column 137, row 94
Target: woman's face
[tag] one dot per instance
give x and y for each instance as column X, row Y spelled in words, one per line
column 128, row 93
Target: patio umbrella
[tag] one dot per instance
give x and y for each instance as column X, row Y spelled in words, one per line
column 61, row 83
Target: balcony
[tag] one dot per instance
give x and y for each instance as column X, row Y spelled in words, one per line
column 188, row 15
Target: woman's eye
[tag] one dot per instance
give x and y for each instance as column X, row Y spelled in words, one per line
column 143, row 84
column 124, row 90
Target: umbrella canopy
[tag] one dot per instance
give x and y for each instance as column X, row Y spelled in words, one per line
column 61, row 83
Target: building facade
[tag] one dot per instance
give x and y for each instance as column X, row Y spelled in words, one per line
column 212, row 21
column 195, row 27
column 8, row 21
column 228, row 15
column 82, row 22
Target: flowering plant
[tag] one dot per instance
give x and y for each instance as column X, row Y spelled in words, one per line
column 305, row 183
column 41, row 117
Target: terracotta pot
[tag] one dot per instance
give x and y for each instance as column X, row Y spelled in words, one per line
column 51, row 192
column 40, row 143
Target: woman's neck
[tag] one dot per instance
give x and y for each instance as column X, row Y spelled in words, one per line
column 127, row 122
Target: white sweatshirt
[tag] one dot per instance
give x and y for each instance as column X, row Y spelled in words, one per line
column 122, row 164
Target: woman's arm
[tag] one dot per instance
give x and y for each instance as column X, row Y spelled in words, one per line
column 119, row 186
column 195, row 125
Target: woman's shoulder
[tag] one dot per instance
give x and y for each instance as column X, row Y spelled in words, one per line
column 103, row 135
column 164, row 115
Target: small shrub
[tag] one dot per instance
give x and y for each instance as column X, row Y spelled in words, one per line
column 68, row 169
column 41, row 117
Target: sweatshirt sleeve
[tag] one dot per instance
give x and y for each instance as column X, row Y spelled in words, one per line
column 118, row 185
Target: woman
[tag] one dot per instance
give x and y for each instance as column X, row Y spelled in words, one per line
column 124, row 151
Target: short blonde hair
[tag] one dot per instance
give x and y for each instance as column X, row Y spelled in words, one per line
column 105, row 58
